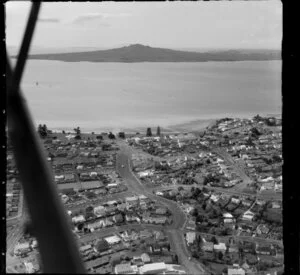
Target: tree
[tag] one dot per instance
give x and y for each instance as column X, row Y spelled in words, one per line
column 214, row 240
column 271, row 121
column 149, row 133
column 99, row 137
column 45, row 128
column 42, row 130
column 257, row 118
column 121, row 135
column 250, row 142
column 200, row 219
column 195, row 254
column 220, row 255
column 158, row 131
column 196, row 193
column 63, row 131
column 77, row 131
column 254, row 132
column 89, row 209
column 194, row 212
column 262, row 266
column 205, row 189
column 80, row 226
column 111, row 135
column 176, row 259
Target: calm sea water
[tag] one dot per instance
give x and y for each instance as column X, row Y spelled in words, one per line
column 103, row 96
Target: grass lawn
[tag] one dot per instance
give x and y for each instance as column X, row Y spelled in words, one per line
column 217, row 268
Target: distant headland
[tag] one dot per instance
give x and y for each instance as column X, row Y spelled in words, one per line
column 142, row 53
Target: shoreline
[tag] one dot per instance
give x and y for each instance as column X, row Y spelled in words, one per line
column 196, row 125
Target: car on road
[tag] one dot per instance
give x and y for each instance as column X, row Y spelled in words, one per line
column 190, row 258
column 122, row 165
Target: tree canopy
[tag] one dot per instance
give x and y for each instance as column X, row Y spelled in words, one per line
column 42, row 130
column 111, row 135
column 149, row 132
column 158, row 131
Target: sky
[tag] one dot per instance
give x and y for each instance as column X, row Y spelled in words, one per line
column 178, row 25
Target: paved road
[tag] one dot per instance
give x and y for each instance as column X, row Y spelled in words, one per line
column 228, row 158
column 178, row 244
column 136, row 186
column 175, row 232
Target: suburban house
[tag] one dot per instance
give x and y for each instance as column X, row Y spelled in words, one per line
column 190, row 237
column 78, row 219
column 220, row 247
column 248, row 216
column 22, row 248
column 131, row 202
column 126, row 269
column 208, row 246
column 263, row 249
column 145, row 234
column 236, row 271
column 94, row 264
column 99, row 211
column 233, row 248
column 153, row 268
column 111, row 240
column 85, row 249
column 228, row 218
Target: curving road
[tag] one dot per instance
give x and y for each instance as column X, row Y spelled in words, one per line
column 175, row 233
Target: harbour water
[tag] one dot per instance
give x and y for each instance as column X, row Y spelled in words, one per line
column 118, row 96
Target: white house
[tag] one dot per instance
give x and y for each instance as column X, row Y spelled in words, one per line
column 235, row 200
column 220, row 247
column 78, row 219
column 126, row 269
column 228, row 218
column 145, row 174
column 99, row 211
column 190, row 237
column 236, row 271
column 153, row 268
column 248, row 216
column 113, row 239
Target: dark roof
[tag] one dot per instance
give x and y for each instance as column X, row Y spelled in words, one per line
column 97, row 262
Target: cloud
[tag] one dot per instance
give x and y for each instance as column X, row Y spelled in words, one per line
column 87, row 17
column 97, row 16
column 49, row 20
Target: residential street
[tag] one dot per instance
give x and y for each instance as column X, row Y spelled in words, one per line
column 246, row 180
column 175, row 232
